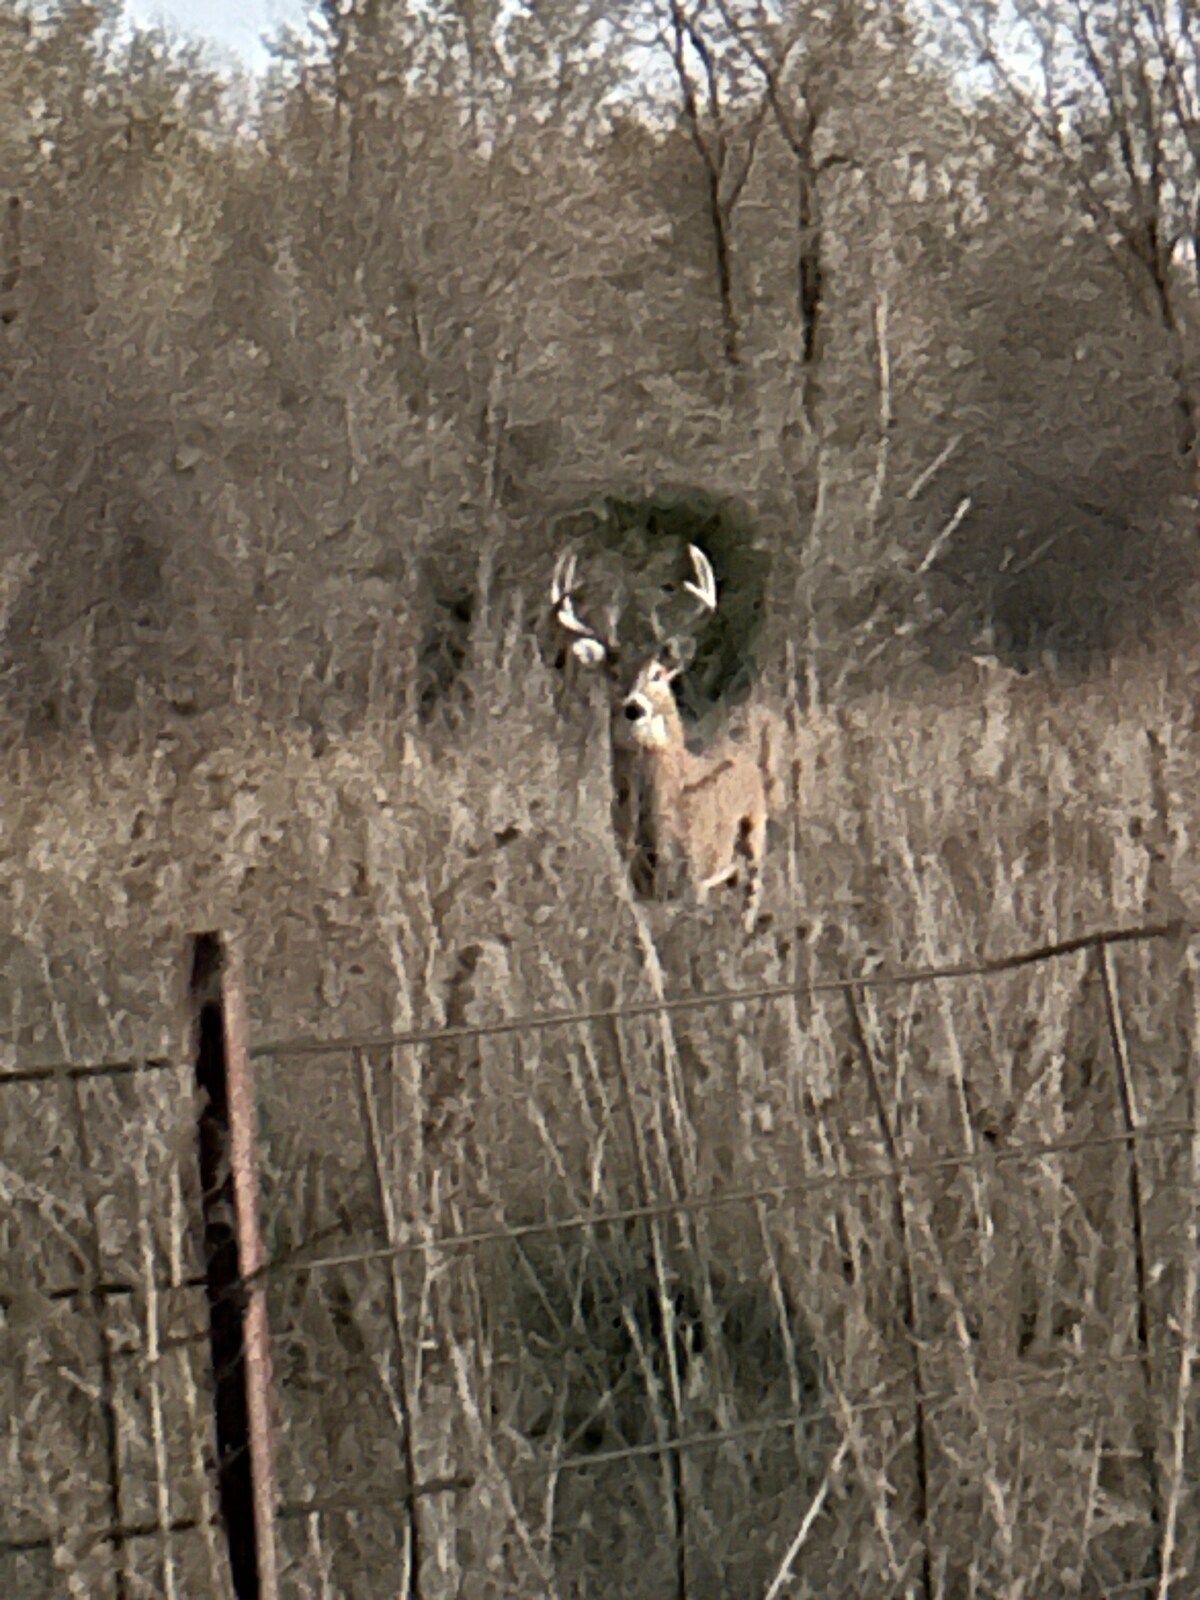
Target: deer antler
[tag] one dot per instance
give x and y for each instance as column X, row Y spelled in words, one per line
column 589, row 646
column 705, row 586
column 702, row 586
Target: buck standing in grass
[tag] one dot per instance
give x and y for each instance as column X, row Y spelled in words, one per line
column 710, row 809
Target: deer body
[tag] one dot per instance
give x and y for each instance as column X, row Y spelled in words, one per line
column 711, row 809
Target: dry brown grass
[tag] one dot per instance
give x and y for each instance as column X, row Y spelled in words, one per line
column 387, row 884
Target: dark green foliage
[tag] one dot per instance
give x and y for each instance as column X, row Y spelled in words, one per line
column 649, row 539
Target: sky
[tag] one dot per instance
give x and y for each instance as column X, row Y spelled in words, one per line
column 228, row 25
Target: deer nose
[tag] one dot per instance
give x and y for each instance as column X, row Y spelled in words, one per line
column 635, row 710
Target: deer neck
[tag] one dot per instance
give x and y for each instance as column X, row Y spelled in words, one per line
column 670, row 768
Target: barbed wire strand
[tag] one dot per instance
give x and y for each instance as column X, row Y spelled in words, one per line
column 630, row 1010
column 280, row 1050
column 1022, row 1385
column 852, row 1178
column 295, row 1265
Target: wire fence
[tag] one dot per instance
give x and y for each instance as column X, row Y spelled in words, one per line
column 631, row 1343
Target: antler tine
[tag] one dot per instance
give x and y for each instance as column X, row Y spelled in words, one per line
column 590, row 646
column 702, row 586
column 563, row 580
column 570, row 619
column 705, row 586
column 562, row 594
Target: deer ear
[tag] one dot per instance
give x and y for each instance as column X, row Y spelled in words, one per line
column 674, row 659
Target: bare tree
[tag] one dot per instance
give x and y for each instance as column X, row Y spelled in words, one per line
column 724, row 115
column 797, row 60
column 1111, row 88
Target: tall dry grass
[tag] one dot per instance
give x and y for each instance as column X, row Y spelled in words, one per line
column 979, row 1348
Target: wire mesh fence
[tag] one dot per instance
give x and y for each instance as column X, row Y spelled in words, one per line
column 880, row 1284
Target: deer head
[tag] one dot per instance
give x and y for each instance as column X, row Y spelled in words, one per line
column 592, row 646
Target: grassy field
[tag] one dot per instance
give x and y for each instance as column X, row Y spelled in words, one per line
column 469, row 875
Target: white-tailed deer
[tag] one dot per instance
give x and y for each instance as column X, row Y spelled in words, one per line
column 710, row 809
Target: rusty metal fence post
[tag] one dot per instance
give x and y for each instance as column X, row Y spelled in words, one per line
column 234, row 1257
